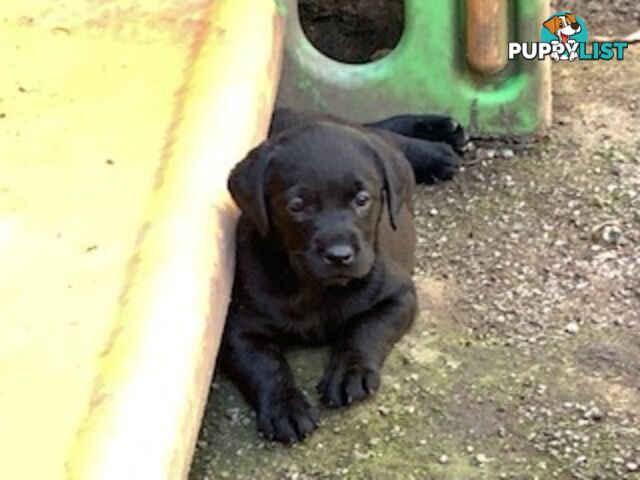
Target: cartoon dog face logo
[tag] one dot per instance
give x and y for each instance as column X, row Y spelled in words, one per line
column 564, row 26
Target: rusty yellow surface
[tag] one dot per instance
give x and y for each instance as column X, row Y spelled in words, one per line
column 119, row 121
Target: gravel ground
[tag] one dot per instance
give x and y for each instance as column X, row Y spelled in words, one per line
column 525, row 360
column 611, row 17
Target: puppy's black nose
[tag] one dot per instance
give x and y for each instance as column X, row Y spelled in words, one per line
column 340, row 255
column 575, row 26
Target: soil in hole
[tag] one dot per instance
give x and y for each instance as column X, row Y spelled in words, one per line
column 353, row 31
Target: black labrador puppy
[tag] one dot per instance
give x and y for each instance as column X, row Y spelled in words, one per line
column 325, row 250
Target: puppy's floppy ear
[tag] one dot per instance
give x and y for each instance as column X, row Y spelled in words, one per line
column 397, row 175
column 246, row 184
column 553, row 24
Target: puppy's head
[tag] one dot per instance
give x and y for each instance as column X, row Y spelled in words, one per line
column 321, row 190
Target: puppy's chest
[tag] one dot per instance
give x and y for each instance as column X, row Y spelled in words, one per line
column 316, row 318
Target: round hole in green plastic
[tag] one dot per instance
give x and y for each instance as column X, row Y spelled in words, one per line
column 353, row 31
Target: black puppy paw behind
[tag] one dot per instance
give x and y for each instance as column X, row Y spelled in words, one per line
column 431, row 143
column 435, row 128
column 441, row 129
column 436, row 161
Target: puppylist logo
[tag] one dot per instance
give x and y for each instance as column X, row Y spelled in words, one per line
column 564, row 36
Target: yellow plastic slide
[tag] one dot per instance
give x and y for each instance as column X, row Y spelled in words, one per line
column 119, row 121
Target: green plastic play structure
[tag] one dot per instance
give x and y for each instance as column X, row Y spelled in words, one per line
column 432, row 69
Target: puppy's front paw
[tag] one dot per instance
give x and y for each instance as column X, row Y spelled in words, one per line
column 345, row 382
column 437, row 162
column 442, row 129
column 444, row 163
column 287, row 417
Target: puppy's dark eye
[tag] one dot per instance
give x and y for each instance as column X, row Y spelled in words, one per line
column 296, row 205
column 362, row 199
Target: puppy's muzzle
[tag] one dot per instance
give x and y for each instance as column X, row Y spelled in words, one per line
column 339, row 255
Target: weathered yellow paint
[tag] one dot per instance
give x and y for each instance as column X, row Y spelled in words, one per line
column 119, row 121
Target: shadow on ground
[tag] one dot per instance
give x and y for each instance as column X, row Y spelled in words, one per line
column 525, row 361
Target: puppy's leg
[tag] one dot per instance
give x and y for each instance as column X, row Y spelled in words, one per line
column 430, row 160
column 260, row 370
column 435, row 128
column 356, row 360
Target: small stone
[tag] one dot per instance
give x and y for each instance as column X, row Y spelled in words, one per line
column 508, row 153
column 632, row 466
column 433, row 212
column 612, row 234
column 481, row 459
column 593, row 414
column 508, row 181
column 443, row 459
column 572, row 327
column 470, row 449
column 384, row 411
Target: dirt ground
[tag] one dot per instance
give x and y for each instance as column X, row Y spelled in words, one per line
column 525, row 360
